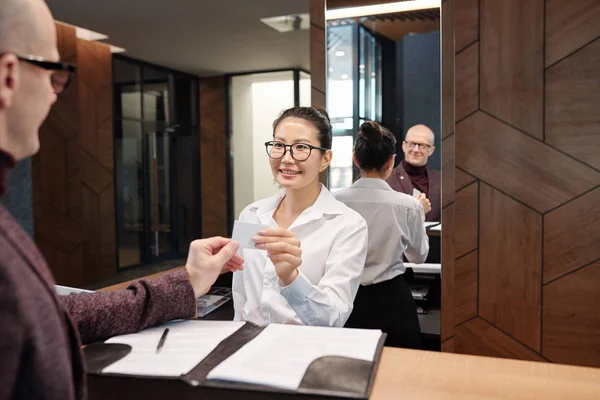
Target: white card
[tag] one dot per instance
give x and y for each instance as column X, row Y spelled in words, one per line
column 416, row 192
column 243, row 232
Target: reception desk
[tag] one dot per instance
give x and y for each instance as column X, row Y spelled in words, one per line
column 413, row 374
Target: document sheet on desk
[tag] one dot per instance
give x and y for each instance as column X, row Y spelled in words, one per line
column 280, row 354
column 187, row 343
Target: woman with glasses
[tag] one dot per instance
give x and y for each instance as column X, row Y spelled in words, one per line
column 307, row 265
column 396, row 224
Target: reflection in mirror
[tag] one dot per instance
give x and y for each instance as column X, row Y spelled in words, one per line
column 151, row 82
column 384, row 66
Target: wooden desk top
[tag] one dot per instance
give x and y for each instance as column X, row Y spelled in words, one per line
column 414, row 374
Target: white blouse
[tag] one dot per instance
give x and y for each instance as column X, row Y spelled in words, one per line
column 334, row 248
column 396, row 226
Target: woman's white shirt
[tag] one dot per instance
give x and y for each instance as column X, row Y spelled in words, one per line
column 334, row 248
column 396, row 226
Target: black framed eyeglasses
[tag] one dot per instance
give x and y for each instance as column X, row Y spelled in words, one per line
column 299, row 151
column 420, row 146
column 61, row 72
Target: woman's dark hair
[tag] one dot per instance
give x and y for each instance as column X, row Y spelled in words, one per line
column 317, row 117
column 374, row 146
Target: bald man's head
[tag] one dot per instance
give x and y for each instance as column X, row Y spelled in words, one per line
column 418, row 145
column 24, row 26
column 27, row 32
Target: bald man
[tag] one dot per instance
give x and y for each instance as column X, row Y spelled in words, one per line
column 41, row 333
column 413, row 177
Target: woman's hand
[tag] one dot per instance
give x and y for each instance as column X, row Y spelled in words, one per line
column 284, row 251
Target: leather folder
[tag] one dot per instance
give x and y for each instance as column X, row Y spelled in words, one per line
column 327, row 377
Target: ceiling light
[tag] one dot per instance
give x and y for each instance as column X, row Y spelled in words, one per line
column 116, row 49
column 344, row 76
column 379, row 9
column 340, row 53
column 288, row 23
column 89, row 35
column 361, row 66
column 330, row 69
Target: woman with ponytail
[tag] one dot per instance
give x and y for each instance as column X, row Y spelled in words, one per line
column 396, row 223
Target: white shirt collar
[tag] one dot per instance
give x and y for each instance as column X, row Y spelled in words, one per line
column 326, row 203
column 372, row 183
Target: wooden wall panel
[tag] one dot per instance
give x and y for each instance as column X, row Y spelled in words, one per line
column 467, row 81
column 94, row 79
column 572, row 105
column 537, row 266
column 479, row 337
column 73, row 182
column 571, row 322
column 467, row 220
column 565, row 253
column 213, row 156
column 318, row 60
column 512, row 63
column 510, row 266
column 467, row 23
column 448, row 178
column 569, row 26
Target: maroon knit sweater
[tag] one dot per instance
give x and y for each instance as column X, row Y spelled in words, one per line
column 41, row 333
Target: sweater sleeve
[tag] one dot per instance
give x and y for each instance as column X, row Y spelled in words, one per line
column 100, row 315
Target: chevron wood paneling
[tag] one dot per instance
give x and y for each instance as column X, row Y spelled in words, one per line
column 510, row 266
column 525, row 173
column 447, row 31
column 565, row 253
column 572, row 103
column 482, row 338
column 467, row 23
column 463, row 179
column 467, row 220
column 467, row 81
column 535, row 160
column 571, row 322
column 72, row 176
column 213, row 156
column 465, row 286
column 512, row 63
column 569, row 26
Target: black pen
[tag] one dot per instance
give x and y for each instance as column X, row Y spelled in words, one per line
column 161, row 342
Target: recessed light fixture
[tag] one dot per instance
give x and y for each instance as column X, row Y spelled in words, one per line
column 361, row 66
column 379, row 9
column 288, row 23
column 116, row 49
column 340, row 53
column 373, row 74
column 92, row 36
column 344, row 76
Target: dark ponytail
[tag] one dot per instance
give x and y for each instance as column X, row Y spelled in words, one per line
column 317, row 117
column 374, row 146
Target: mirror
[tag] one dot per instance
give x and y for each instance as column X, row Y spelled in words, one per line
column 385, row 67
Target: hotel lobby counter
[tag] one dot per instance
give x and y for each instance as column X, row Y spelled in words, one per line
column 413, row 374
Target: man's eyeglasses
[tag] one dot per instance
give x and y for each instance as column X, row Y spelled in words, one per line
column 420, row 146
column 61, row 72
column 299, row 151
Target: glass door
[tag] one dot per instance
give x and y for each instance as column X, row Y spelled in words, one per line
column 157, row 163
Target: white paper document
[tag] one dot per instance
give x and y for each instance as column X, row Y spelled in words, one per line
column 280, row 354
column 436, row 228
column 187, row 343
column 416, row 192
column 243, row 232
